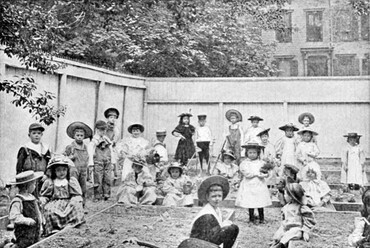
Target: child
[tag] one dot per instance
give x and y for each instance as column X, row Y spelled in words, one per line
column 286, row 146
column 360, row 236
column 307, row 119
column 228, row 169
column 251, row 135
column 138, row 186
column 298, row 219
column 235, row 133
column 203, row 139
column 306, row 152
column 112, row 114
column 268, row 154
column 353, row 163
column 100, row 158
column 253, row 192
column 185, row 148
column 160, row 146
column 177, row 188
column 209, row 224
column 77, row 152
column 24, row 210
column 289, row 176
column 61, row 197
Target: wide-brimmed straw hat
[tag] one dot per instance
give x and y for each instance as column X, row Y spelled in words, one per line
column 352, row 135
column 307, row 129
column 60, row 159
column 296, row 191
column 303, row 115
column 26, row 176
column 175, row 165
column 255, row 117
column 292, row 168
column 228, row 153
column 235, row 112
column 210, row 181
column 289, row 125
column 266, row 131
column 79, row 125
column 36, row 126
column 138, row 161
column 253, row 146
column 111, row 111
column 135, row 125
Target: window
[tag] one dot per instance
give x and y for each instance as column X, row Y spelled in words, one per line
column 366, row 65
column 286, row 65
column 317, row 66
column 365, row 27
column 285, row 35
column 346, row 65
column 345, row 24
column 314, row 26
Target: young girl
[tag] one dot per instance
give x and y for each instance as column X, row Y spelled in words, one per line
column 307, row 119
column 61, row 197
column 298, row 219
column 185, row 148
column 353, row 163
column 235, row 133
column 268, row 155
column 24, row 210
column 228, row 169
column 306, row 153
column 360, row 236
column 177, row 188
column 253, row 192
column 251, row 135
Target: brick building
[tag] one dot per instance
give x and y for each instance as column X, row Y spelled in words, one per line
column 323, row 38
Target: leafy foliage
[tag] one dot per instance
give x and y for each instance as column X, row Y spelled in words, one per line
column 362, row 7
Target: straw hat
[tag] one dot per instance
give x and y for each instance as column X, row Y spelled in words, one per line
column 307, row 129
column 101, row 125
column 138, row 161
column 254, row 117
column 352, row 135
column 79, row 125
column 60, row 159
column 36, row 126
column 303, row 115
column 202, row 117
column 253, row 145
column 266, row 131
column 289, row 125
column 111, row 111
column 26, row 176
column 231, row 112
column 185, row 114
column 210, row 181
column 296, row 191
column 161, row 132
column 292, row 168
column 228, row 153
column 135, row 125
column 175, row 165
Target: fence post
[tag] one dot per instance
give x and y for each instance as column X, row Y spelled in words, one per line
column 99, row 102
column 285, row 109
column 61, row 101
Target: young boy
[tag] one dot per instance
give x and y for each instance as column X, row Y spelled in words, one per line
column 160, row 146
column 112, row 114
column 203, row 139
column 251, row 135
column 100, row 159
column 235, row 134
column 138, row 186
column 77, row 152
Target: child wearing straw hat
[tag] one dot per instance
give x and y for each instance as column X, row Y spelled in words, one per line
column 160, row 146
column 290, row 172
column 227, row 168
column 251, row 135
column 268, row 154
column 177, row 187
column 111, row 115
column 307, row 119
column 204, row 141
column 235, row 133
column 77, row 151
column 24, row 210
column 298, row 219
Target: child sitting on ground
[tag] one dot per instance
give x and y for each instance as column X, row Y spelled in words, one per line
column 234, row 134
column 178, row 188
column 251, row 135
column 24, row 211
column 228, row 169
column 61, row 196
column 298, row 219
column 289, row 176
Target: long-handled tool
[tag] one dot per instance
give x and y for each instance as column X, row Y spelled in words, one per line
column 219, row 155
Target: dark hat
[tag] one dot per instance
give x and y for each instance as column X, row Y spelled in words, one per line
column 138, row 161
column 26, row 176
column 296, row 191
column 60, row 159
column 161, row 132
column 307, row 129
column 289, row 125
column 266, row 131
column 185, row 114
column 175, row 165
column 36, row 126
column 352, row 135
column 252, row 118
column 303, row 115
column 210, row 181
column 102, row 125
column 229, row 153
column 231, row 112
column 111, row 111
column 202, row 117
column 294, row 169
column 135, row 125
column 79, row 125
column 253, row 145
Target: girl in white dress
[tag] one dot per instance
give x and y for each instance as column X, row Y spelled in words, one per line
column 253, row 192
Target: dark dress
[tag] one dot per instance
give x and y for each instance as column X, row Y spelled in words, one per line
column 366, row 242
column 185, row 148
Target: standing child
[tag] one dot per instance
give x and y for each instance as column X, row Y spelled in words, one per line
column 61, row 196
column 298, row 219
column 253, row 192
column 353, row 163
column 286, row 146
column 178, row 188
column 203, row 139
column 251, row 135
column 24, row 210
column 112, row 114
column 235, row 133
column 185, row 148
column 306, row 153
column 160, row 146
column 228, row 169
column 268, row 154
column 100, row 158
column 77, row 152
column 307, row 119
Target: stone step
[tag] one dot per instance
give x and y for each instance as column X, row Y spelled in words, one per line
column 333, row 176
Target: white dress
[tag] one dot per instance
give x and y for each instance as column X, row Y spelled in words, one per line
column 354, row 157
column 253, row 191
column 306, row 154
column 286, row 147
column 251, row 134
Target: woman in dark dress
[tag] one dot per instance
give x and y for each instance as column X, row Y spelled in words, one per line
column 185, row 148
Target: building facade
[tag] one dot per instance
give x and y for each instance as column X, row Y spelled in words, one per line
column 322, row 38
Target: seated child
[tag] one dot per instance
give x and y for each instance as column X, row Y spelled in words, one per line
column 289, row 176
column 209, row 224
column 138, row 186
column 178, row 188
column 228, row 169
column 24, row 211
column 298, row 219
column 360, row 236
column 61, row 196
column 316, row 190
